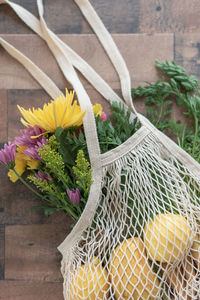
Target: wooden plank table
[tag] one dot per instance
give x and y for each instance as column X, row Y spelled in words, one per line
column 144, row 30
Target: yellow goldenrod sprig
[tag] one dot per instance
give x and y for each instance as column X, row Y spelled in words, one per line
column 53, row 161
column 83, row 173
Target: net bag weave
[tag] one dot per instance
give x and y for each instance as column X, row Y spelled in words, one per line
column 138, row 236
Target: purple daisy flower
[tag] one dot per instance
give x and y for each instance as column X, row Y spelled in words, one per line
column 27, row 139
column 43, row 176
column 33, row 143
column 33, row 151
column 74, row 195
column 7, row 155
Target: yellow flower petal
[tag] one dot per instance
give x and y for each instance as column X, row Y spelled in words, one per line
column 20, row 166
column 97, row 109
column 61, row 112
column 21, row 162
column 29, row 161
column 32, row 163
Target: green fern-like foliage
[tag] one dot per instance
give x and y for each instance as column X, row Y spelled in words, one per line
column 179, row 75
column 176, row 86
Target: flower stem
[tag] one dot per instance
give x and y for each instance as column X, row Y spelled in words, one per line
column 160, row 114
column 198, row 159
column 71, row 213
column 69, row 208
column 28, row 185
column 195, row 135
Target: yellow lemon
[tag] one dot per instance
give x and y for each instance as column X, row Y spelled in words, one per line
column 130, row 273
column 89, row 282
column 167, row 237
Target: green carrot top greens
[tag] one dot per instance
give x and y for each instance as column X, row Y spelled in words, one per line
column 183, row 89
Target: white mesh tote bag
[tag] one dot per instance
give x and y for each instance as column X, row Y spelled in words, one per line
column 138, row 236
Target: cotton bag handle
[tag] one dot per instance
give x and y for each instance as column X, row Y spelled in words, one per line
column 84, row 100
column 88, row 72
column 110, row 47
column 47, row 84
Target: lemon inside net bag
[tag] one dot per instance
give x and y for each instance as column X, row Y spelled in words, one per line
column 138, row 236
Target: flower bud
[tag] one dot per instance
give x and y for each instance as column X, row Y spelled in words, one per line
column 74, row 195
column 103, row 116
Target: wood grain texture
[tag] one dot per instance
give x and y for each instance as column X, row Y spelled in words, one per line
column 2, row 252
column 10, row 22
column 26, row 99
column 16, row 209
column 169, row 16
column 139, row 52
column 188, row 52
column 3, row 116
column 31, row 252
column 26, row 290
column 64, row 16
column 125, row 16
column 16, row 202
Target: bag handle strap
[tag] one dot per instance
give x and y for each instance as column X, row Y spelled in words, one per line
column 48, row 85
column 84, row 100
column 110, row 47
column 87, row 71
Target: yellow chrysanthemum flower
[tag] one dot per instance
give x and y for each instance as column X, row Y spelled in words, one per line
column 62, row 112
column 21, row 162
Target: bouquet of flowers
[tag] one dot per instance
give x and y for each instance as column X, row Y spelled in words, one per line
column 53, row 147
column 53, row 151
